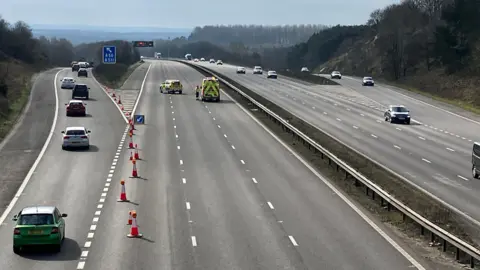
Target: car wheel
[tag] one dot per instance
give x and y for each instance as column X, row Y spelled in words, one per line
column 474, row 172
column 86, row 97
column 386, row 118
column 407, row 122
column 57, row 248
column 87, row 147
column 180, row 92
column 391, row 119
column 64, row 148
column 16, row 250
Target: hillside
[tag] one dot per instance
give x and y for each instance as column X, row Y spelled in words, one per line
column 21, row 56
column 429, row 47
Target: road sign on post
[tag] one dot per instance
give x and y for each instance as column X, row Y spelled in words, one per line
column 109, row 55
column 139, row 119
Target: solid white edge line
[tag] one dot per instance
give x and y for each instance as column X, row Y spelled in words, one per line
column 80, row 265
column 194, row 241
column 141, row 91
column 334, row 189
column 39, row 157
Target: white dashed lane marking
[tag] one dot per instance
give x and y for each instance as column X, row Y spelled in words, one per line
column 293, row 240
column 426, row 160
column 93, row 226
column 450, row 149
column 398, row 147
column 463, row 178
column 194, row 241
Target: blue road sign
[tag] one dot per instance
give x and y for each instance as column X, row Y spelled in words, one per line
column 109, row 54
column 139, row 119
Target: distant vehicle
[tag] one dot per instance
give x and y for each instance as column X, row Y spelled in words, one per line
column 202, row 59
column 195, row 60
column 271, row 74
column 75, row 107
column 475, row 160
column 219, row 62
column 76, row 137
column 80, row 91
column 212, row 61
column 82, row 73
column 171, row 87
column 158, row 55
column 210, row 89
column 368, row 81
column 38, row 225
column 188, row 56
column 257, row 70
column 336, row 75
column 304, row 69
column 83, row 64
column 397, row 113
column 241, row 70
column 67, row 83
column 75, row 67
column 142, row 57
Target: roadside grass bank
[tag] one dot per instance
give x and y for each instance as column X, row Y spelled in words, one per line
column 429, row 244
column 16, row 82
column 113, row 75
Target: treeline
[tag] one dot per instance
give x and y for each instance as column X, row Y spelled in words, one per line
column 254, row 35
column 415, row 36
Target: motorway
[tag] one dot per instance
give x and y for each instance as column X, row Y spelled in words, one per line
column 434, row 152
column 67, row 179
column 216, row 191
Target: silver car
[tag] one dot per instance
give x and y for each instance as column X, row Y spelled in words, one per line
column 368, row 81
column 76, row 137
column 397, row 113
column 68, row 83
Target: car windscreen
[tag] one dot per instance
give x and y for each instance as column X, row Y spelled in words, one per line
column 175, row 83
column 36, row 219
column 336, row 72
column 399, row 109
column 368, row 78
column 81, row 88
column 75, row 132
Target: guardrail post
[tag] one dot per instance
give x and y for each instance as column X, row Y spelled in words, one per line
column 444, row 245
column 422, row 230
column 367, row 190
column 472, row 262
column 457, row 254
column 373, row 195
column 432, row 237
column 389, row 207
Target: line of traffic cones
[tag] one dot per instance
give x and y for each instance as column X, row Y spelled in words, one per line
column 119, row 99
column 137, row 155
column 134, row 233
column 130, row 143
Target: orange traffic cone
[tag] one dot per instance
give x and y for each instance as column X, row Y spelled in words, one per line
column 130, row 144
column 134, row 170
column 134, row 229
column 123, row 193
column 129, row 218
column 119, row 100
column 131, row 156
column 137, row 155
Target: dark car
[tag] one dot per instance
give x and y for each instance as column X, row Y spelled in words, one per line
column 80, row 91
column 397, row 113
column 476, row 160
column 82, row 72
column 76, row 107
column 75, row 67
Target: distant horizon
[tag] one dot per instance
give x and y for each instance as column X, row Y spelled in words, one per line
column 125, row 29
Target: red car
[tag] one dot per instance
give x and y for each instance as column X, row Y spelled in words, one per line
column 76, row 107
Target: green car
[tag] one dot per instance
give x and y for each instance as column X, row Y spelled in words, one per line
column 39, row 225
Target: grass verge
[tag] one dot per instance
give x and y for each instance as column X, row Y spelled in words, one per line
column 114, row 76
column 415, row 199
column 19, row 86
column 455, row 102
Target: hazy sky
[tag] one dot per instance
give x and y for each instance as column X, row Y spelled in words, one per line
column 189, row 13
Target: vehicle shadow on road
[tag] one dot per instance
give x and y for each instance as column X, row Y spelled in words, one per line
column 91, row 99
column 92, row 148
column 71, row 251
column 80, row 116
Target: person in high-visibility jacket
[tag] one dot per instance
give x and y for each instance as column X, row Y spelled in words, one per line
column 197, row 92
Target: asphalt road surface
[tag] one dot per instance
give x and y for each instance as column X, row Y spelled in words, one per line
column 70, row 180
column 434, row 152
column 216, row 191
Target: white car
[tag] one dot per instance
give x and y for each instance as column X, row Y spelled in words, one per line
column 219, row 62
column 195, row 60
column 74, row 137
column 202, row 59
column 212, row 61
column 368, row 81
column 257, row 70
column 241, row 70
column 336, row 75
column 304, row 69
column 68, row 83
column 271, row 74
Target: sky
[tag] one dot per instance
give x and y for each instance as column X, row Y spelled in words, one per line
column 189, row 13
